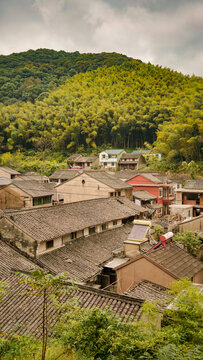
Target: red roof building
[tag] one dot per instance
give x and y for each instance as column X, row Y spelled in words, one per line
column 157, row 186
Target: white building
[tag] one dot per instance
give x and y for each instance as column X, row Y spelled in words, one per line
column 110, row 158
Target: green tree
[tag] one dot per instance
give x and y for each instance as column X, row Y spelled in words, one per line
column 190, row 240
column 48, row 287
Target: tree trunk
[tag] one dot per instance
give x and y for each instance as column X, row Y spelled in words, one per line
column 44, row 326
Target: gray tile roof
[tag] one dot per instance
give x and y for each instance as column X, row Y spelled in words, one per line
column 4, row 181
column 148, row 291
column 34, row 188
column 109, row 180
column 21, row 314
column 54, row 221
column 125, row 174
column 9, row 170
column 143, row 195
column 194, row 184
column 35, row 177
column 12, row 259
column 82, row 258
column 176, row 260
column 64, row 174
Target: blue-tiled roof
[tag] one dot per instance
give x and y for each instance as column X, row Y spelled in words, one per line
column 114, row 151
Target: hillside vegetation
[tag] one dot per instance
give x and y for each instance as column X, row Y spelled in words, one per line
column 123, row 103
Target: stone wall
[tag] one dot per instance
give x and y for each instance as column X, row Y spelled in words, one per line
column 12, row 234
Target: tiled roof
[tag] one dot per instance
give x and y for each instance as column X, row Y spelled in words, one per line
column 143, row 195
column 125, row 174
column 113, row 151
column 82, row 258
column 73, row 157
column 4, row 181
column 64, row 174
column 194, row 184
column 130, row 156
column 151, row 177
column 146, row 290
column 54, row 221
column 9, row 170
column 176, row 260
column 141, row 151
column 35, row 177
column 109, row 180
column 34, row 188
column 84, row 159
column 22, row 313
column 11, row 259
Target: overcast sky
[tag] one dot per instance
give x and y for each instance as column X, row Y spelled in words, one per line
column 164, row 32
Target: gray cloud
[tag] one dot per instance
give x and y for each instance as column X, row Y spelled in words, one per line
column 168, row 33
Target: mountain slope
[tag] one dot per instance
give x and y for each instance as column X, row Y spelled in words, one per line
column 119, row 106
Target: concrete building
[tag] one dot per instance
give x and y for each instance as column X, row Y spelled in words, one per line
column 110, row 158
column 191, row 194
column 161, row 188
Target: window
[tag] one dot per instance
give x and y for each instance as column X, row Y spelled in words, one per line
column 112, row 164
column 41, row 200
column 111, row 194
column 104, row 227
column 74, row 235
column 103, row 156
column 92, row 230
column 49, row 244
column 114, row 223
column 160, row 192
column 119, row 193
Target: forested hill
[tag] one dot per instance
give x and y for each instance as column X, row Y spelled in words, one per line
column 30, row 75
column 120, row 105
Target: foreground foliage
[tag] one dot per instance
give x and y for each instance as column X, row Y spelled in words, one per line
column 191, row 241
column 99, row 334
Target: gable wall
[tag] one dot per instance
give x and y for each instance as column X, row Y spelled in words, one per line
column 74, row 190
column 142, row 269
column 12, row 234
column 12, row 197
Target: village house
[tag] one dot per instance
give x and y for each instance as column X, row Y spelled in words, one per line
column 110, row 158
column 23, row 313
column 25, row 193
column 77, row 161
column 160, row 266
column 191, row 195
column 131, row 161
column 43, row 229
column 92, row 185
column 147, row 200
column 60, row 176
column 162, row 189
column 6, row 172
